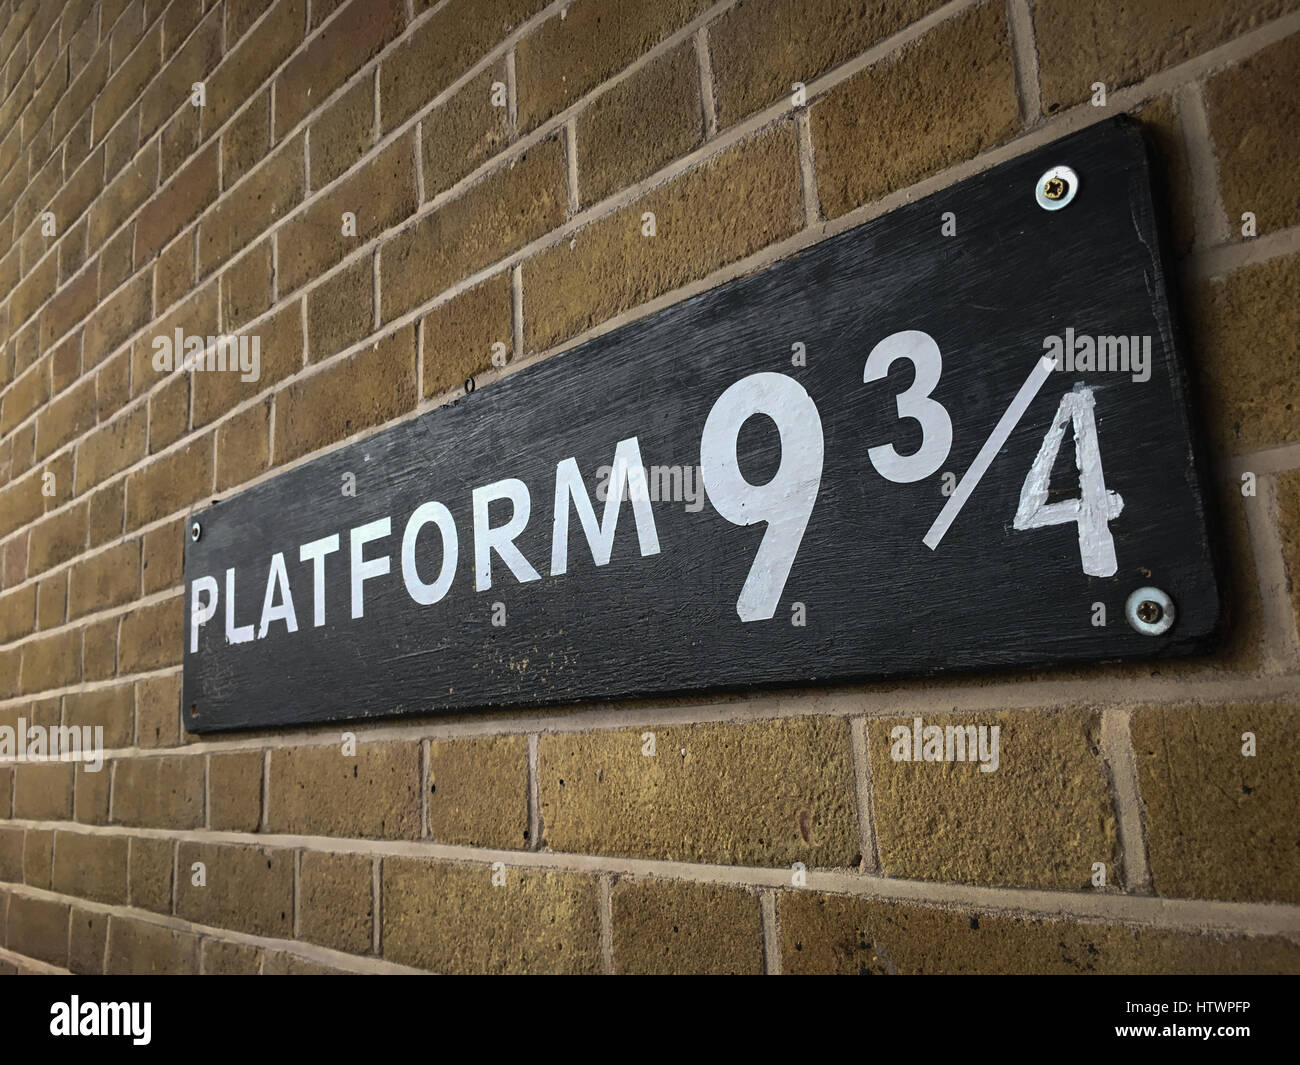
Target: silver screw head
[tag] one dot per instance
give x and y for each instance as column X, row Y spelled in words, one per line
column 1150, row 611
column 1056, row 188
column 196, row 530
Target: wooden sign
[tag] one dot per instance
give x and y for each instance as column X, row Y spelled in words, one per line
column 953, row 438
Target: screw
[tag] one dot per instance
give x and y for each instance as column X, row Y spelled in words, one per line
column 196, row 530
column 1150, row 611
column 1056, row 188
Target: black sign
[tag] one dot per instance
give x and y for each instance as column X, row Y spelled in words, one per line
column 955, row 437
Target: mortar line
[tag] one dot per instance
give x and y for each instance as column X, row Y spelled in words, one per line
column 870, row 862
column 771, row 932
column 1209, row 218
column 606, row 926
column 1024, row 52
column 1121, row 764
column 708, row 103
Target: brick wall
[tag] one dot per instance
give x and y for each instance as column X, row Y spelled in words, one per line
column 520, row 224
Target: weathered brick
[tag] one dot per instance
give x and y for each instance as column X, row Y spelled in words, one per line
column 179, row 140
column 478, row 791
column 243, row 445
column 123, row 195
column 159, row 792
column 52, row 601
column 249, row 889
column 240, row 16
column 173, row 482
column 122, row 29
column 235, row 791
column 157, row 711
column 90, row 793
column 341, row 311
column 1044, row 821
column 516, row 204
column 231, row 959
column 1220, row 824
column 87, row 940
column 72, row 251
column 538, row 922
column 126, row 83
column 176, row 205
column 366, row 389
column 197, row 316
column 459, row 335
column 731, row 206
column 942, row 100
column 163, row 556
column 639, row 125
column 245, row 142
column 112, row 709
column 90, row 867
column 6, row 807
column 43, row 791
column 319, row 791
column 150, row 881
column 113, row 382
column 463, row 132
column 11, row 854
column 178, row 21
column 666, row 926
column 334, row 900
column 282, row 963
column 1255, row 123
column 115, row 260
column 343, row 133
column 264, row 195
column 251, row 62
column 279, row 356
column 116, row 318
column 33, row 290
column 38, row 928
column 443, row 48
column 65, row 364
column 1120, row 43
column 141, row 947
column 1288, row 506
column 771, row 793
column 69, row 306
column 106, row 580
column 25, row 396
column 99, row 650
column 169, row 413
column 151, row 636
column 121, row 144
column 174, row 273
column 246, row 287
column 170, row 91
column 17, row 613
column 111, row 448
column 842, row 934
column 52, row 662
column 346, row 44
column 1251, row 390
column 38, row 858
column 567, row 57
column 380, row 193
column 67, row 417
column 79, row 191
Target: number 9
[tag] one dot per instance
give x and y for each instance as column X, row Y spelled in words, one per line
column 786, row 501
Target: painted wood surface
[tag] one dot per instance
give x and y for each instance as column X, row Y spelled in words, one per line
column 876, row 601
